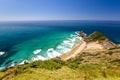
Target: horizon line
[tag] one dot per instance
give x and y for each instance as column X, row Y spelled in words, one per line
column 58, row 20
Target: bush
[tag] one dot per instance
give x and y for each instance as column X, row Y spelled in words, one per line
column 74, row 63
column 116, row 60
column 56, row 64
column 48, row 64
column 52, row 64
column 20, row 69
column 97, row 36
column 110, row 53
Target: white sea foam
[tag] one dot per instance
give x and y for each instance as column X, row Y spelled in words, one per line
column 37, row 51
column 79, row 38
column 23, row 62
column 72, row 40
column 34, row 59
column 12, row 64
column 52, row 53
column 73, row 36
column 2, row 68
column 68, row 44
column 41, row 57
column 50, row 50
column 66, row 50
column 60, row 47
column 2, row 53
column 64, row 47
column 66, row 41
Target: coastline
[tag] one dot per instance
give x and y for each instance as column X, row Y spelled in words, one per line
column 30, row 48
column 74, row 51
column 80, row 45
column 62, row 48
column 85, row 57
column 95, row 41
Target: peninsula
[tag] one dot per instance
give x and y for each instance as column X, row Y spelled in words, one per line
column 95, row 41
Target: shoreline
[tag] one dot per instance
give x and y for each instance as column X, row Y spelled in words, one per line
column 71, row 41
column 78, row 47
column 74, row 51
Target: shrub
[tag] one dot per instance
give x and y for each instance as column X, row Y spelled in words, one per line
column 110, row 53
column 97, row 36
column 20, row 69
column 74, row 63
column 116, row 60
column 48, row 64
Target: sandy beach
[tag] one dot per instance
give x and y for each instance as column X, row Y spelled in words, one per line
column 82, row 46
column 75, row 51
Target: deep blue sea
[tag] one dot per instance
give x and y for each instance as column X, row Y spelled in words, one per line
column 41, row 40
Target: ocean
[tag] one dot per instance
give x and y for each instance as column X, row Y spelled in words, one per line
column 27, row 41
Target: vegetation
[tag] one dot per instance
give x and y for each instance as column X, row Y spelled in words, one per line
column 116, row 62
column 74, row 63
column 109, row 52
column 48, row 64
column 97, row 36
column 56, row 69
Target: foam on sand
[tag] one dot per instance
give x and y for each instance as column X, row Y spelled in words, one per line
column 63, row 47
column 39, row 57
column 51, row 53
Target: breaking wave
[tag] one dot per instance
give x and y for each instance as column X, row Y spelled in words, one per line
column 2, row 53
column 65, row 46
column 51, row 52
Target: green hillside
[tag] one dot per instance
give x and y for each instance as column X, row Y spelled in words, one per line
column 96, row 36
column 74, row 69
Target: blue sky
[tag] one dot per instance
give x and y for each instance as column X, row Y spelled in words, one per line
column 59, row 10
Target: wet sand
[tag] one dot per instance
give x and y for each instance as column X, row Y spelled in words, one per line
column 75, row 51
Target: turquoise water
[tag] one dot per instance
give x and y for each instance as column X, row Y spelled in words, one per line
column 30, row 41
column 30, row 44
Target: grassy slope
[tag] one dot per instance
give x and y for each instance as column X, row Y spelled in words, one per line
column 55, row 69
column 96, row 36
column 66, row 73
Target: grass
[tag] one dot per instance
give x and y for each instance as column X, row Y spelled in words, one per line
column 109, row 52
column 97, row 36
column 56, row 69
column 74, row 64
